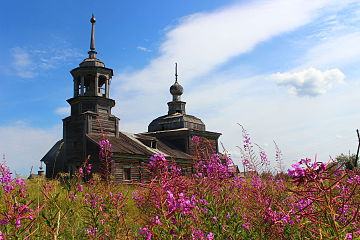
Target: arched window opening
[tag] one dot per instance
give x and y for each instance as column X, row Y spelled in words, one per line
column 88, row 85
column 78, row 86
column 102, row 86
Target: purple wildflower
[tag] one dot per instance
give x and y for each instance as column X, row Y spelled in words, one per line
column 157, row 220
column 72, row 196
column 8, row 188
column 246, row 226
column 210, row 236
column 79, row 187
column 196, row 140
column 92, row 231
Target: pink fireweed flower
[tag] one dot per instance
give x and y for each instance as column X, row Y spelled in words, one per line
column 196, row 140
column 6, row 175
column 79, row 187
column 256, row 181
column 355, row 179
column 72, row 196
column 246, row 140
column 298, row 170
column 92, row 231
column 158, row 163
column 8, row 188
column 105, row 149
column 263, row 158
column 198, row 234
column 307, row 173
column 246, row 226
column 158, row 157
column 349, row 236
column 228, row 161
column 145, row 231
column 20, row 182
column 210, row 236
column 246, row 162
column 157, row 220
column 18, row 223
column 214, row 219
column 81, row 171
column 3, row 222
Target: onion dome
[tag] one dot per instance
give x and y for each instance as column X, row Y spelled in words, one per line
column 176, row 89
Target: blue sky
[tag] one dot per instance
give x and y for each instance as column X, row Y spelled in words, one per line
column 287, row 70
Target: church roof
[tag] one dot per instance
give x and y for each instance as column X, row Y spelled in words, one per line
column 176, row 121
column 54, row 152
column 128, row 143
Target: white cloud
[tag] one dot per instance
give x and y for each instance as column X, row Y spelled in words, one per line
column 22, row 63
column 27, row 63
column 335, row 51
column 144, row 49
column 201, row 42
column 24, row 146
column 309, row 82
column 63, row 110
column 53, row 57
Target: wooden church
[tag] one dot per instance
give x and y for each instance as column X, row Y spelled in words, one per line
column 91, row 121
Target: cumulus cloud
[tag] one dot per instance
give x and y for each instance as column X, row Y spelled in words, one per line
column 309, row 82
column 63, row 110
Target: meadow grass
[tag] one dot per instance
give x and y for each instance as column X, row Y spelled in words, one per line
column 314, row 200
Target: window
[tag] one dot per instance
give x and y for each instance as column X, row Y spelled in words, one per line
column 127, row 173
column 153, row 144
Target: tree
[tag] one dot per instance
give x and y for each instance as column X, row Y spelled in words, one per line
column 348, row 161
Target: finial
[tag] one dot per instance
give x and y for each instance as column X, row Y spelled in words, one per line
column 176, row 89
column 93, row 19
column 92, row 53
column 176, row 75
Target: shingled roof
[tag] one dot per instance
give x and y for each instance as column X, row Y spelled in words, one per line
column 128, row 143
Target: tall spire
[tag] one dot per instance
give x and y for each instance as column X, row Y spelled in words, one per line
column 92, row 52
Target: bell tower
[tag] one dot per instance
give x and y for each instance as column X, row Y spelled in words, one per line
column 90, row 106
